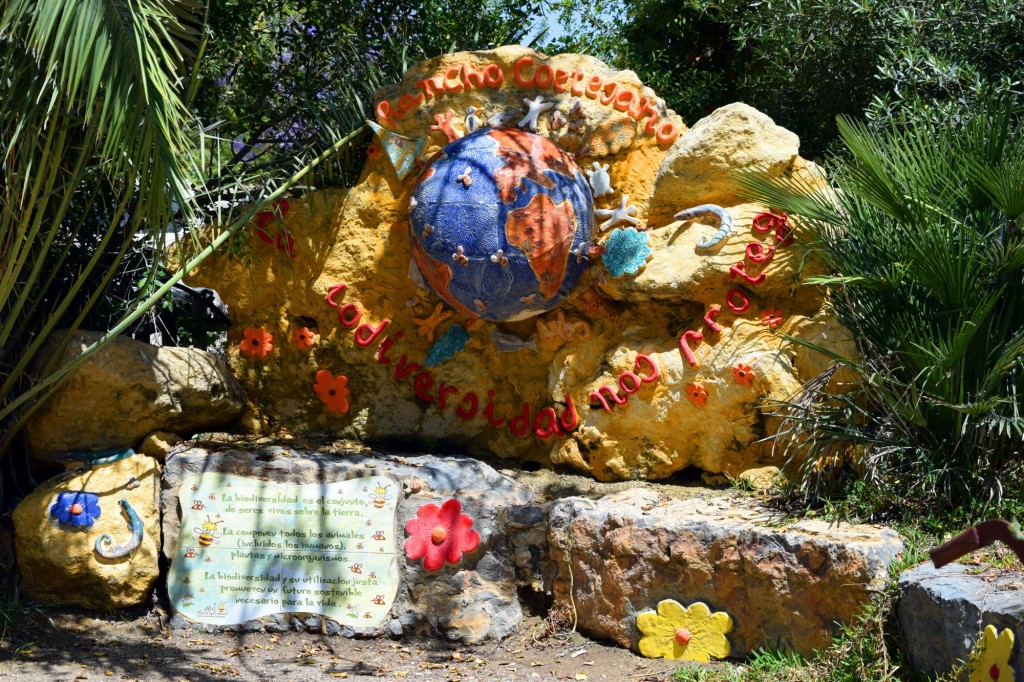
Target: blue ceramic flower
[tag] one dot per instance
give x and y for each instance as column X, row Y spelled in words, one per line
column 626, row 251
column 448, row 344
column 77, row 509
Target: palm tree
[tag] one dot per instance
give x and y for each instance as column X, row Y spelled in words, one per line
column 99, row 156
column 922, row 232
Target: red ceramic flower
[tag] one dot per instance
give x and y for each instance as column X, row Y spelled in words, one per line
column 743, row 374
column 373, row 151
column 771, row 318
column 697, row 393
column 303, row 338
column 440, row 535
column 333, row 390
column 257, row 343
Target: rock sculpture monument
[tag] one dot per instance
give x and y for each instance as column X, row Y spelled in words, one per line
column 434, row 284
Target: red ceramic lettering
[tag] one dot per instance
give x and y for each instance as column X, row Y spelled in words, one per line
column 609, row 90
column 385, row 346
column 649, row 361
column 421, row 386
column 737, row 307
column 633, row 379
column 570, row 419
column 493, row 76
column 645, row 109
column 757, row 253
column 552, row 426
column 561, row 76
column 517, row 72
column 520, row 424
column 594, row 87
column 451, row 79
column 709, row 318
column 470, row 411
column 624, row 101
column 667, row 132
column 336, row 289
column 366, row 334
column 544, row 76
column 343, row 318
column 384, row 113
column 738, row 271
column 443, row 391
column 610, row 392
column 404, row 368
column 471, row 78
column 576, row 87
column 431, row 86
column 684, row 345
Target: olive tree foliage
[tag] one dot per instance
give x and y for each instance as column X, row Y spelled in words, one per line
column 805, row 63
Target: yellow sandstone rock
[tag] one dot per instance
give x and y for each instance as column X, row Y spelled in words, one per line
column 508, row 392
column 59, row 564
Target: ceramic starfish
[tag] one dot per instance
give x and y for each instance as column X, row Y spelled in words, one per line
column 559, row 332
column 427, row 326
column 537, row 107
column 622, row 214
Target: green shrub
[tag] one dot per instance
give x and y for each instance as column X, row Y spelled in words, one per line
column 804, row 63
column 923, row 233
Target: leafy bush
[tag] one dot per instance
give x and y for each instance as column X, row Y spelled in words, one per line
column 923, row 232
column 804, row 63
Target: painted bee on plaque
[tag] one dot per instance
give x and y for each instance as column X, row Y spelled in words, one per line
column 356, row 568
column 379, row 535
column 380, row 496
column 378, row 600
column 207, row 532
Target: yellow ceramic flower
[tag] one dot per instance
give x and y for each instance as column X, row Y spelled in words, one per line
column 690, row 634
column 992, row 664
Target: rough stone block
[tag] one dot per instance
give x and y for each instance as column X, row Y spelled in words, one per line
column 942, row 613
column 786, row 585
column 470, row 601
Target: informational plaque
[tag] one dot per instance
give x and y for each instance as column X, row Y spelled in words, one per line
column 251, row 548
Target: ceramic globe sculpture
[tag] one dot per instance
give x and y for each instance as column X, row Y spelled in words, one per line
column 501, row 220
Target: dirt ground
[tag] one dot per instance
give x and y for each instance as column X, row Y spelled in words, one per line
column 45, row 645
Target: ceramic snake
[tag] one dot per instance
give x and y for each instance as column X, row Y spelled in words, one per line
column 126, row 548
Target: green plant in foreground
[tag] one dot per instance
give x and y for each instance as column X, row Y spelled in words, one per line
column 99, row 154
column 922, row 232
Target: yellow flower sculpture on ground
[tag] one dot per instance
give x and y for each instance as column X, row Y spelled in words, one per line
column 993, row 662
column 690, row 634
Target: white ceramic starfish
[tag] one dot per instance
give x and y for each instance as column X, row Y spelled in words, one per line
column 537, row 107
column 622, row 214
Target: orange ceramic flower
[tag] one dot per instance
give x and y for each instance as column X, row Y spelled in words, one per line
column 697, row 393
column 743, row 374
column 373, row 151
column 771, row 318
column 257, row 343
column 303, row 338
column 333, row 390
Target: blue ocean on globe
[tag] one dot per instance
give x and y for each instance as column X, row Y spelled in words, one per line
column 500, row 221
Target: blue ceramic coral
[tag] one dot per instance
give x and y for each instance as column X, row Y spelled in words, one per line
column 626, row 251
column 447, row 345
column 78, row 509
